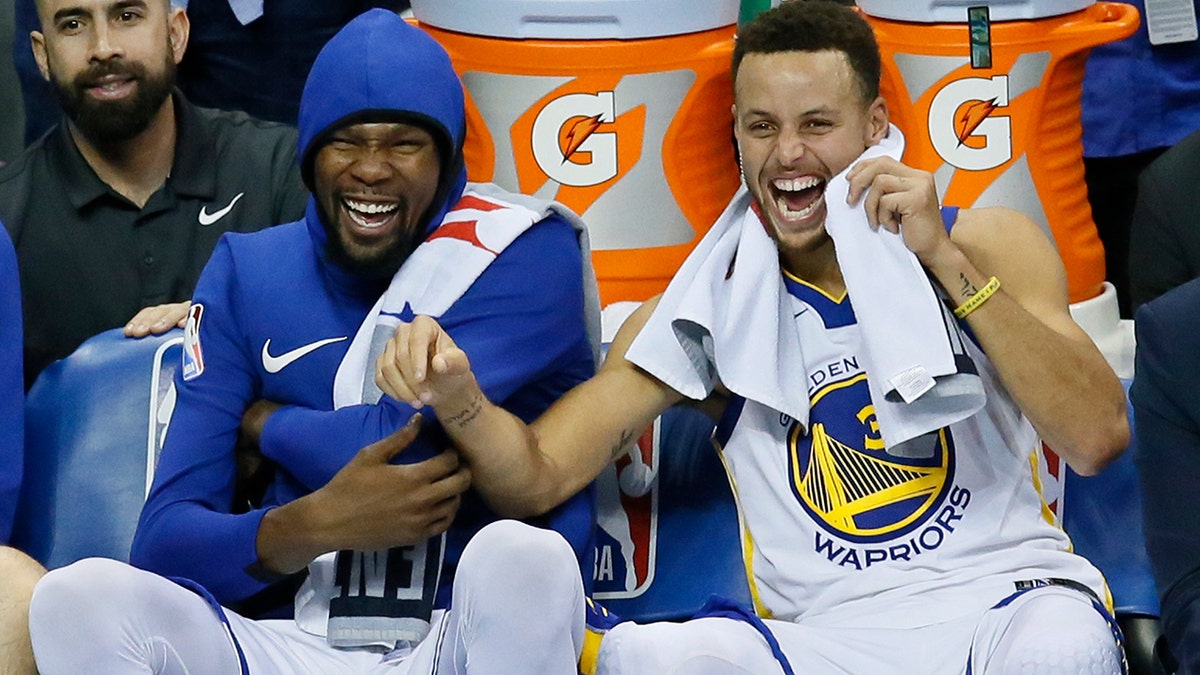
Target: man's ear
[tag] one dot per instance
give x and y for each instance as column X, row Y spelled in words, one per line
column 179, row 27
column 880, row 121
column 37, row 42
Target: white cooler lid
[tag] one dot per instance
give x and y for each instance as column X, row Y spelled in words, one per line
column 955, row 11
column 576, row 19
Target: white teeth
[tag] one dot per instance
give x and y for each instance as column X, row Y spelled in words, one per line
column 370, row 208
column 796, row 184
column 782, row 205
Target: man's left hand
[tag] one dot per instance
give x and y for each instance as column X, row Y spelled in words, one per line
column 158, row 319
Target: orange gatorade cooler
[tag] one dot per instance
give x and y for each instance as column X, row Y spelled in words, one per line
column 619, row 109
column 988, row 99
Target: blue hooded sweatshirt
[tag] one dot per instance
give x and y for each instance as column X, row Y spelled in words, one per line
column 276, row 291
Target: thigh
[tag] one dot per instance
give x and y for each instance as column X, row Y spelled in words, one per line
column 1052, row 630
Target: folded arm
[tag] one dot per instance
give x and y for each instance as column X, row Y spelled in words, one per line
column 1049, row 365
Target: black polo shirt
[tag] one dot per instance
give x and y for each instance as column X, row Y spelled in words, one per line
column 89, row 258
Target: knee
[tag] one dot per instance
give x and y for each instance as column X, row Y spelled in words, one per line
column 19, row 572
column 509, row 553
column 79, row 594
column 1056, row 633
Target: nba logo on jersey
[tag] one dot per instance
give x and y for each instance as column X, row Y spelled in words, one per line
column 162, row 401
column 193, row 356
column 627, row 538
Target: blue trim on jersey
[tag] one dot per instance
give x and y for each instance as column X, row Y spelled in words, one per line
column 834, row 313
column 243, row 667
column 949, row 217
column 718, row 606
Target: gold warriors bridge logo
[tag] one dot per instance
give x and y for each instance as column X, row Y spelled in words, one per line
column 848, row 483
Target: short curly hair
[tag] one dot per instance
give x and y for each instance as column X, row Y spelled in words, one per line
column 813, row 26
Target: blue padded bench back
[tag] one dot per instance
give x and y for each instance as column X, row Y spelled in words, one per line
column 666, row 545
column 93, row 430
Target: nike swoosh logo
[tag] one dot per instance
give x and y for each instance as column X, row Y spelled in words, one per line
column 207, row 218
column 274, row 364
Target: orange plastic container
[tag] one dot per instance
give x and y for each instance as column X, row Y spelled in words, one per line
column 632, row 134
column 1006, row 132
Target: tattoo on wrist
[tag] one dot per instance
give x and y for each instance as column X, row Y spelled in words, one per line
column 626, row 437
column 467, row 415
column 968, row 288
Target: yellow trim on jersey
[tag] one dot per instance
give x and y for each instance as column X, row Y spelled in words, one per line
column 1047, row 514
column 813, row 286
column 591, row 651
column 747, row 541
column 834, row 387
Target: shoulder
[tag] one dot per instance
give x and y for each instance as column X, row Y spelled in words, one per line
column 16, row 184
column 268, row 246
column 249, row 136
column 1172, row 318
column 21, row 166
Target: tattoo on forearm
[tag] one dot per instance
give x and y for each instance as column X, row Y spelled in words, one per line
column 466, row 415
column 626, row 436
column 968, row 288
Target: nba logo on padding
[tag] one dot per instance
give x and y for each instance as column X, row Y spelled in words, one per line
column 627, row 536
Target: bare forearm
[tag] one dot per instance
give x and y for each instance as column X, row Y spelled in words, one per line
column 1062, row 384
column 523, row 470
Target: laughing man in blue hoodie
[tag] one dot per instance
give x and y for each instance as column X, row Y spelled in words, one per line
column 355, row 559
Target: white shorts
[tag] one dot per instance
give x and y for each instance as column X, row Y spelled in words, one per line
column 1052, row 630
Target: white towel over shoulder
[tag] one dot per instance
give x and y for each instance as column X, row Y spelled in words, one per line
column 726, row 318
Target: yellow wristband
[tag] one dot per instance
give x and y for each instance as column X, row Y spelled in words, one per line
column 978, row 299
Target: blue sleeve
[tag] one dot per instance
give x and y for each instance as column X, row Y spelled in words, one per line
column 186, row 527
column 521, row 322
column 12, row 387
column 1167, row 425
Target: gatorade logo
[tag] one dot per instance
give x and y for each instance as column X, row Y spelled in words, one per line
column 593, row 142
column 567, row 145
column 964, row 127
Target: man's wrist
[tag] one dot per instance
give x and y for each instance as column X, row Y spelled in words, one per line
column 461, row 413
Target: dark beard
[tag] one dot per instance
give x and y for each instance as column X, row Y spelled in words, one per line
column 381, row 267
column 104, row 122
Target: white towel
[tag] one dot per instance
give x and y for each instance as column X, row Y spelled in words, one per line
column 732, row 323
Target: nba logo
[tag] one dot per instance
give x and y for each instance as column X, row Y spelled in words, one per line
column 193, row 356
column 627, row 536
column 162, row 401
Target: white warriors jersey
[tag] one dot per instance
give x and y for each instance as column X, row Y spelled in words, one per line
column 840, row 533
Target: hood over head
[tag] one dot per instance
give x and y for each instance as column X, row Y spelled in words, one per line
column 379, row 68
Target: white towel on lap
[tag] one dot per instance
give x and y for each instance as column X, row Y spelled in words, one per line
column 726, row 317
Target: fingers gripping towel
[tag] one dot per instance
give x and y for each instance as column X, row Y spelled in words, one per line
column 472, row 235
column 726, row 317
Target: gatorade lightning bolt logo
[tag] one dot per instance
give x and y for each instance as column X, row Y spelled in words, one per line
column 964, row 126
column 579, row 132
column 973, row 114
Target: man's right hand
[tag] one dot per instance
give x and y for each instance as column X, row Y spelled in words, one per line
column 370, row 504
